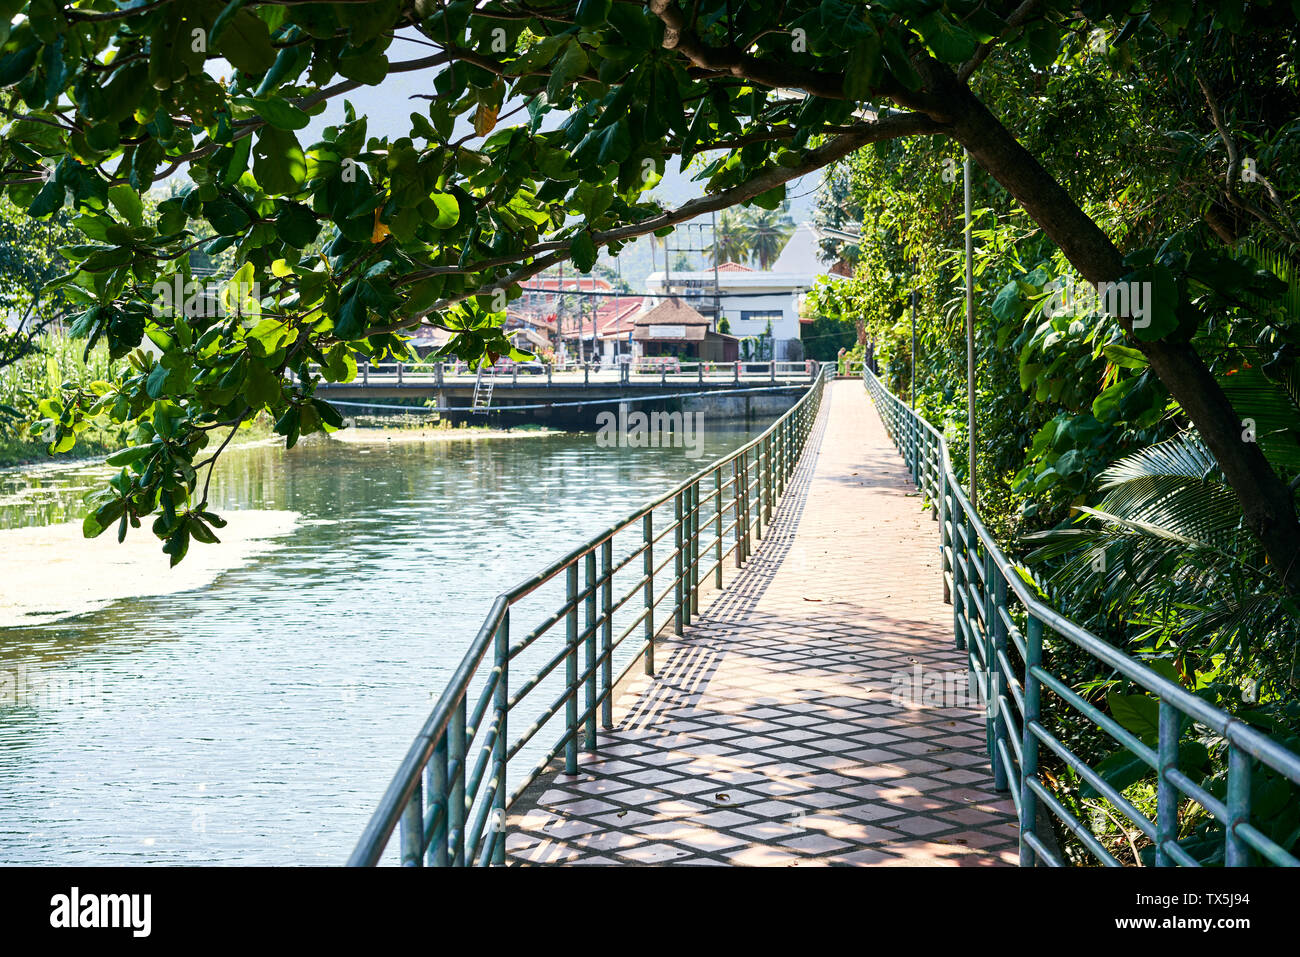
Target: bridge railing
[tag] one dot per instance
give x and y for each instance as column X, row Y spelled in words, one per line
column 470, row 761
column 436, row 372
column 999, row 619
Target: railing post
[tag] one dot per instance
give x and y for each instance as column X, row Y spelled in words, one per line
column 959, row 560
column 571, row 671
column 439, row 795
column 744, row 506
column 500, row 749
column 945, row 537
column 1235, row 851
column 695, row 550
column 412, row 835
column 767, row 483
column 607, row 631
column 737, row 378
column 737, row 554
column 679, row 613
column 399, row 373
column 365, row 372
column 758, row 490
column 592, row 626
column 1029, row 740
column 997, row 593
column 717, row 517
column 648, row 564
column 1166, row 792
column 456, row 799
column 438, row 374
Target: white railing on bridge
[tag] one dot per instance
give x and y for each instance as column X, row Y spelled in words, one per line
column 645, row 370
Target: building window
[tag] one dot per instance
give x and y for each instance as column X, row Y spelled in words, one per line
column 763, row 316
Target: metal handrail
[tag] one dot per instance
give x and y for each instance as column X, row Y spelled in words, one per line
column 449, row 796
column 423, row 371
column 982, row 584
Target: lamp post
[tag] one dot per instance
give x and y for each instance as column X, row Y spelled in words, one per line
column 913, row 376
column 970, row 324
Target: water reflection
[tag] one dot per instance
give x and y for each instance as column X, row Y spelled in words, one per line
column 258, row 720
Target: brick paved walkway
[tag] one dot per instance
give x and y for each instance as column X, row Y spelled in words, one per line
column 773, row 733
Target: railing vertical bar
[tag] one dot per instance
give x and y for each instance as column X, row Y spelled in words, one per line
column 738, row 552
column 437, row 774
column 679, row 611
column 648, row 566
column 607, row 631
column 500, row 747
column 1235, row 851
column 592, row 626
column 571, row 670
column 695, row 550
column 412, row 829
column 456, row 753
column 717, row 518
column 1029, row 740
column 1166, row 791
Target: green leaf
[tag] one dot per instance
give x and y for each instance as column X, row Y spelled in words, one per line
column 1007, row 303
column 584, row 252
column 127, row 202
column 278, row 161
column 276, row 111
column 946, row 40
column 1138, row 713
column 572, row 63
column 297, row 225
column 1124, row 357
column 1153, row 289
column 246, row 43
column 128, row 455
column 448, row 210
column 593, row 13
column 862, row 72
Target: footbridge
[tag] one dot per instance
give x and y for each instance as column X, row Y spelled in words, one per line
column 759, row 667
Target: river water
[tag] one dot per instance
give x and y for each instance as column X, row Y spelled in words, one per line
column 257, row 720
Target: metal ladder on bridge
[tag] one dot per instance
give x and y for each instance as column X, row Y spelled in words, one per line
column 482, row 401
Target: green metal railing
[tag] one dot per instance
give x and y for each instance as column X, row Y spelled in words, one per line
column 452, row 792
column 1001, row 623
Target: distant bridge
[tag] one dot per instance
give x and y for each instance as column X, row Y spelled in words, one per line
column 544, row 392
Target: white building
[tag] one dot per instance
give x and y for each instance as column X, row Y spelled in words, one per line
column 751, row 298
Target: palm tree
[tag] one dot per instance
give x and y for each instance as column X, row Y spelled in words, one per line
column 768, row 229
column 1167, row 550
column 732, row 239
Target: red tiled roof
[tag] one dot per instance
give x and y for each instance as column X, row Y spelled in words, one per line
column 615, row 316
column 733, row 267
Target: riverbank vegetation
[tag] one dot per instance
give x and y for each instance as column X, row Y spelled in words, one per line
column 50, row 364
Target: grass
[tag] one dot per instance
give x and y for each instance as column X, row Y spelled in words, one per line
column 56, row 360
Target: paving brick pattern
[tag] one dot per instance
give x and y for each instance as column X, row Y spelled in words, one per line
column 773, row 733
